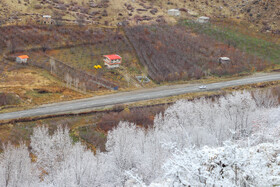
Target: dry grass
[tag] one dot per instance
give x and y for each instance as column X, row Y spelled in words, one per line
column 5, row 132
column 114, row 8
column 194, row 95
column 88, row 127
column 86, row 57
column 35, row 87
column 254, row 15
column 271, row 84
column 24, row 78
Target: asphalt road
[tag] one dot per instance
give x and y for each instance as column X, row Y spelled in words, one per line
column 133, row 96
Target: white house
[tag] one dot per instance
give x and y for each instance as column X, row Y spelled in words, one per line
column 203, row 19
column 47, row 19
column 224, row 60
column 112, row 61
column 174, row 12
column 22, row 59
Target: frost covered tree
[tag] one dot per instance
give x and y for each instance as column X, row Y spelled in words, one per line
column 227, row 141
column 63, row 162
column 50, row 150
column 206, row 122
column 79, row 168
column 16, row 168
column 133, row 149
column 265, row 98
column 229, row 165
column 238, row 110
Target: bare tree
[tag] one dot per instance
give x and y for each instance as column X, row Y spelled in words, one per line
column 53, row 66
column 265, row 98
column 68, row 79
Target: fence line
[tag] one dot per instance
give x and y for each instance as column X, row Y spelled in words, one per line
column 73, row 77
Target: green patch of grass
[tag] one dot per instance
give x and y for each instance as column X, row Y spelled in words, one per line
column 74, row 138
column 21, row 132
column 91, row 135
column 86, row 57
column 47, row 75
column 37, row 94
column 267, row 50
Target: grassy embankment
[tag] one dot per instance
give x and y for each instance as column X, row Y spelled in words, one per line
column 246, row 42
column 85, row 58
column 31, row 86
column 92, row 128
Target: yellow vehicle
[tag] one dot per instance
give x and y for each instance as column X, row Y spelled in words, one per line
column 97, row 67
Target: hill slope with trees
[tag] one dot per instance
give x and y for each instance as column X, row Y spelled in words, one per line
column 262, row 15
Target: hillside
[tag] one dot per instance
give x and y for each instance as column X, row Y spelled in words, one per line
column 163, row 100
column 70, row 12
column 82, row 31
column 185, row 55
column 262, row 15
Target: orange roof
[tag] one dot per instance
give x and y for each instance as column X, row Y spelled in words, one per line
column 113, row 57
column 23, row 56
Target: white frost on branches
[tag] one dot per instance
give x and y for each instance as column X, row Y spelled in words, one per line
column 229, row 165
column 228, row 141
column 16, row 168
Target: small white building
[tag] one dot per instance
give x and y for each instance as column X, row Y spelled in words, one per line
column 174, row 12
column 112, row 61
column 47, row 16
column 47, row 19
column 203, row 19
column 224, row 60
column 22, row 59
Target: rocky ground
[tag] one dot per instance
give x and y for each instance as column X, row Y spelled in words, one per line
column 264, row 15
